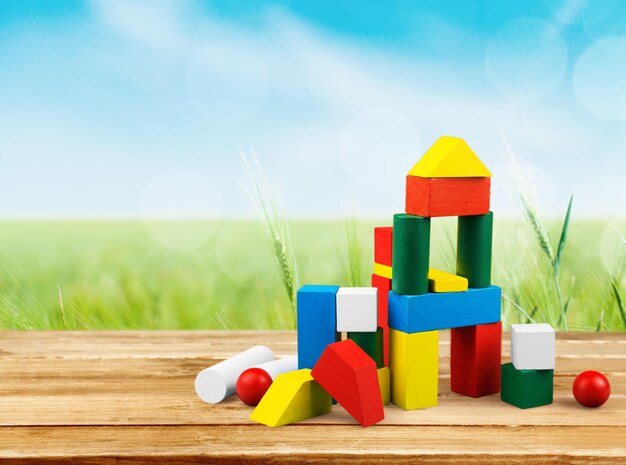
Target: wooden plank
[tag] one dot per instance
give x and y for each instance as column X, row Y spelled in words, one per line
column 221, row 344
column 127, row 397
column 179, row 407
column 256, row 444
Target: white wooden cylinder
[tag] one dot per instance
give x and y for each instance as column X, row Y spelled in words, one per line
column 216, row 383
column 281, row 365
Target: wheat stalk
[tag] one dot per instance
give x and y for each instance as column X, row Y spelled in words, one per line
column 531, row 213
column 268, row 204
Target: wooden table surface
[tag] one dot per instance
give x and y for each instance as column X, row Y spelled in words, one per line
column 128, row 397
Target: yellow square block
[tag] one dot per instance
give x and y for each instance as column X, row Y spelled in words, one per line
column 414, row 369
column 440, row 281
column 382, row 270
column 384, row 381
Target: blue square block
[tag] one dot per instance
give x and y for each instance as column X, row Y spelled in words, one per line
column 443, row 310
column 317, row 322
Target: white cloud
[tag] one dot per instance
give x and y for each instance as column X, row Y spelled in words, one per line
column 295, row 93
column 155, row 24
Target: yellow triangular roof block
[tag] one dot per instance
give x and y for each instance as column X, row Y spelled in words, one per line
column 449, row 157
column 292, row 397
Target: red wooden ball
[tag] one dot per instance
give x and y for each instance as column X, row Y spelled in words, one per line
column 252, row 385
column 591, row 388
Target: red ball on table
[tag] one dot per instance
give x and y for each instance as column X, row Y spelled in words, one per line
column 252, row 385
column 591, row 388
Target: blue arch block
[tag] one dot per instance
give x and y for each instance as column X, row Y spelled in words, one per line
column 428, row 312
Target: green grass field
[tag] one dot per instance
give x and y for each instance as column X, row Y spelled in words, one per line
column 120, row 275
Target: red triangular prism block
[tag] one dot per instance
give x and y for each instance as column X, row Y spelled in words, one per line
column 349, row 375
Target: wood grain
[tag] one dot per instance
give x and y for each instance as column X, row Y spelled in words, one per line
column 127, row 397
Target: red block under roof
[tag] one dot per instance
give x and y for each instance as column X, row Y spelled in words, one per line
column 431, row 197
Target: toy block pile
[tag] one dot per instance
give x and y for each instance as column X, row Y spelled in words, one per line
column 365, row 347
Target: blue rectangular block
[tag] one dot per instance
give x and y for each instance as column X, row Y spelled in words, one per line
column 427, row 312
column 317, row 322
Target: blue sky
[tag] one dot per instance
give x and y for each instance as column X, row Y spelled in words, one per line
column 114, row 108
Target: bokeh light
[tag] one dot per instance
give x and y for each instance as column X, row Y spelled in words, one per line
column 378, row 146
column 179, row 209
column 599, row 76
column 526, row 59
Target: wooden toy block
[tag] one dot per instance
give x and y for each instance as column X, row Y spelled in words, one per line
column 372, row 345
column 440, row 281
column 427, row 312
column 357, row 309
column 382, row 270
column 216, row 383
column 526, row 388
column 254, row 382
column 317, row 324
column 384, row 286
column 432, row 197
column 349, row 375
column 449, row 157
column 411, row 249
column 292, row 397
column 473, row 251
column 533, row 346
column 475, row 358
column 384, row 379
column 414, row 369
column 383, row 237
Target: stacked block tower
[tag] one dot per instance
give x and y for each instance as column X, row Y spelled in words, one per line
column 363, row 347
column 449, row 180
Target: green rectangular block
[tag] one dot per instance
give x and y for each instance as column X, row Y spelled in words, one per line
column 526, row 388
column 473, row 249
column 372, row 345
column 410, row 258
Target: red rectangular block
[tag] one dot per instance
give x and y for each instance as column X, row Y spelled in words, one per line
column 447, row 196
column 384, row 286
column 383, row 237
column 475, row 358
column 350, row 376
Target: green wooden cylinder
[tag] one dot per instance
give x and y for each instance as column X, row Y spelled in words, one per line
column 473, row 249
column 372, row 345
column 411, row 250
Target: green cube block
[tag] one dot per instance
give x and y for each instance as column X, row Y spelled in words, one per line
column 372, row 345
column 473, row 250
column 526, row 388
column 411, row 250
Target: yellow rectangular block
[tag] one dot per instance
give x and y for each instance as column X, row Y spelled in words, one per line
column 441, row 281
column 384, row 381
column 292, row 397
column 382, row 270
column 438, row 281
column 413, row 361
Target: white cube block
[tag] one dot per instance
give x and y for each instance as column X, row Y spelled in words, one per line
column 532, row 346
column 357, row 309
